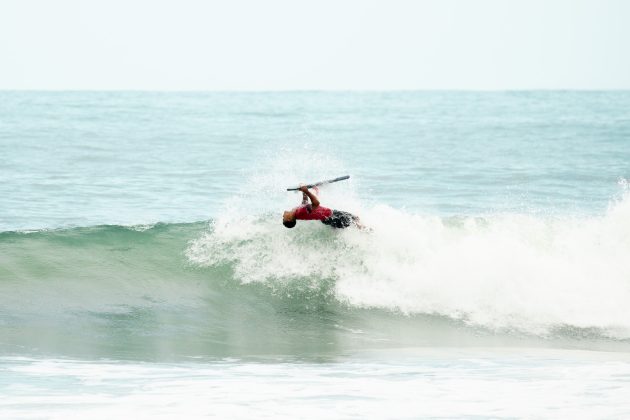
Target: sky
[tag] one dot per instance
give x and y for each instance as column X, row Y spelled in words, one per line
column 311, row 45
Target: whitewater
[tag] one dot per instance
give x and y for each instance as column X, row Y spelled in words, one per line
column 144, row 268
column 515, row 272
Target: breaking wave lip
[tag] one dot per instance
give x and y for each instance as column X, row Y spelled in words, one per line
column 511, row 272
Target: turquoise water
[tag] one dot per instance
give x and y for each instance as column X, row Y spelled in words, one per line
column 141, row 243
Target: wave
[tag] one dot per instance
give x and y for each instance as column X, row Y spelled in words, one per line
column 246, row 285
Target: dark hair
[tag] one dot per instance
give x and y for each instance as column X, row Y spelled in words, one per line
column 289, row 223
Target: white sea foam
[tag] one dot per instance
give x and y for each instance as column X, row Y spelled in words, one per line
column 507, row 271
column 430, row 383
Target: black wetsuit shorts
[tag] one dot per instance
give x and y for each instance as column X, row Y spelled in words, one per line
column 340, row 219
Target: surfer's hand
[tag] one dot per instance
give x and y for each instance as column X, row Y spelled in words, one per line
column 303, row 188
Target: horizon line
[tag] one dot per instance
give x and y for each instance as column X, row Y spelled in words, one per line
column 60, row 90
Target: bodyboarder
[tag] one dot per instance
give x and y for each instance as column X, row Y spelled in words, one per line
column 315, row 211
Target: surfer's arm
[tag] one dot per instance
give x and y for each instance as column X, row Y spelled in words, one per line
column 311, row 196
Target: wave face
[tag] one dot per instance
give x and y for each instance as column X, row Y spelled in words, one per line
column 248, row 286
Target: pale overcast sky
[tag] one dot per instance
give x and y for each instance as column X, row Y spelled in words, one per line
column 323, row 44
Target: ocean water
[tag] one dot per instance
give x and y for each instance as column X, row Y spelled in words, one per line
column 144, row 270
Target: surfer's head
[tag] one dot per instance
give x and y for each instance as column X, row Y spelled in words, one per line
column 288, row 218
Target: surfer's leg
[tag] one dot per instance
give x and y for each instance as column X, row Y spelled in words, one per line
column 355, row 220
column 358, row 224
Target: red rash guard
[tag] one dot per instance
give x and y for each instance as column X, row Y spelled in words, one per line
column 320, row 213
